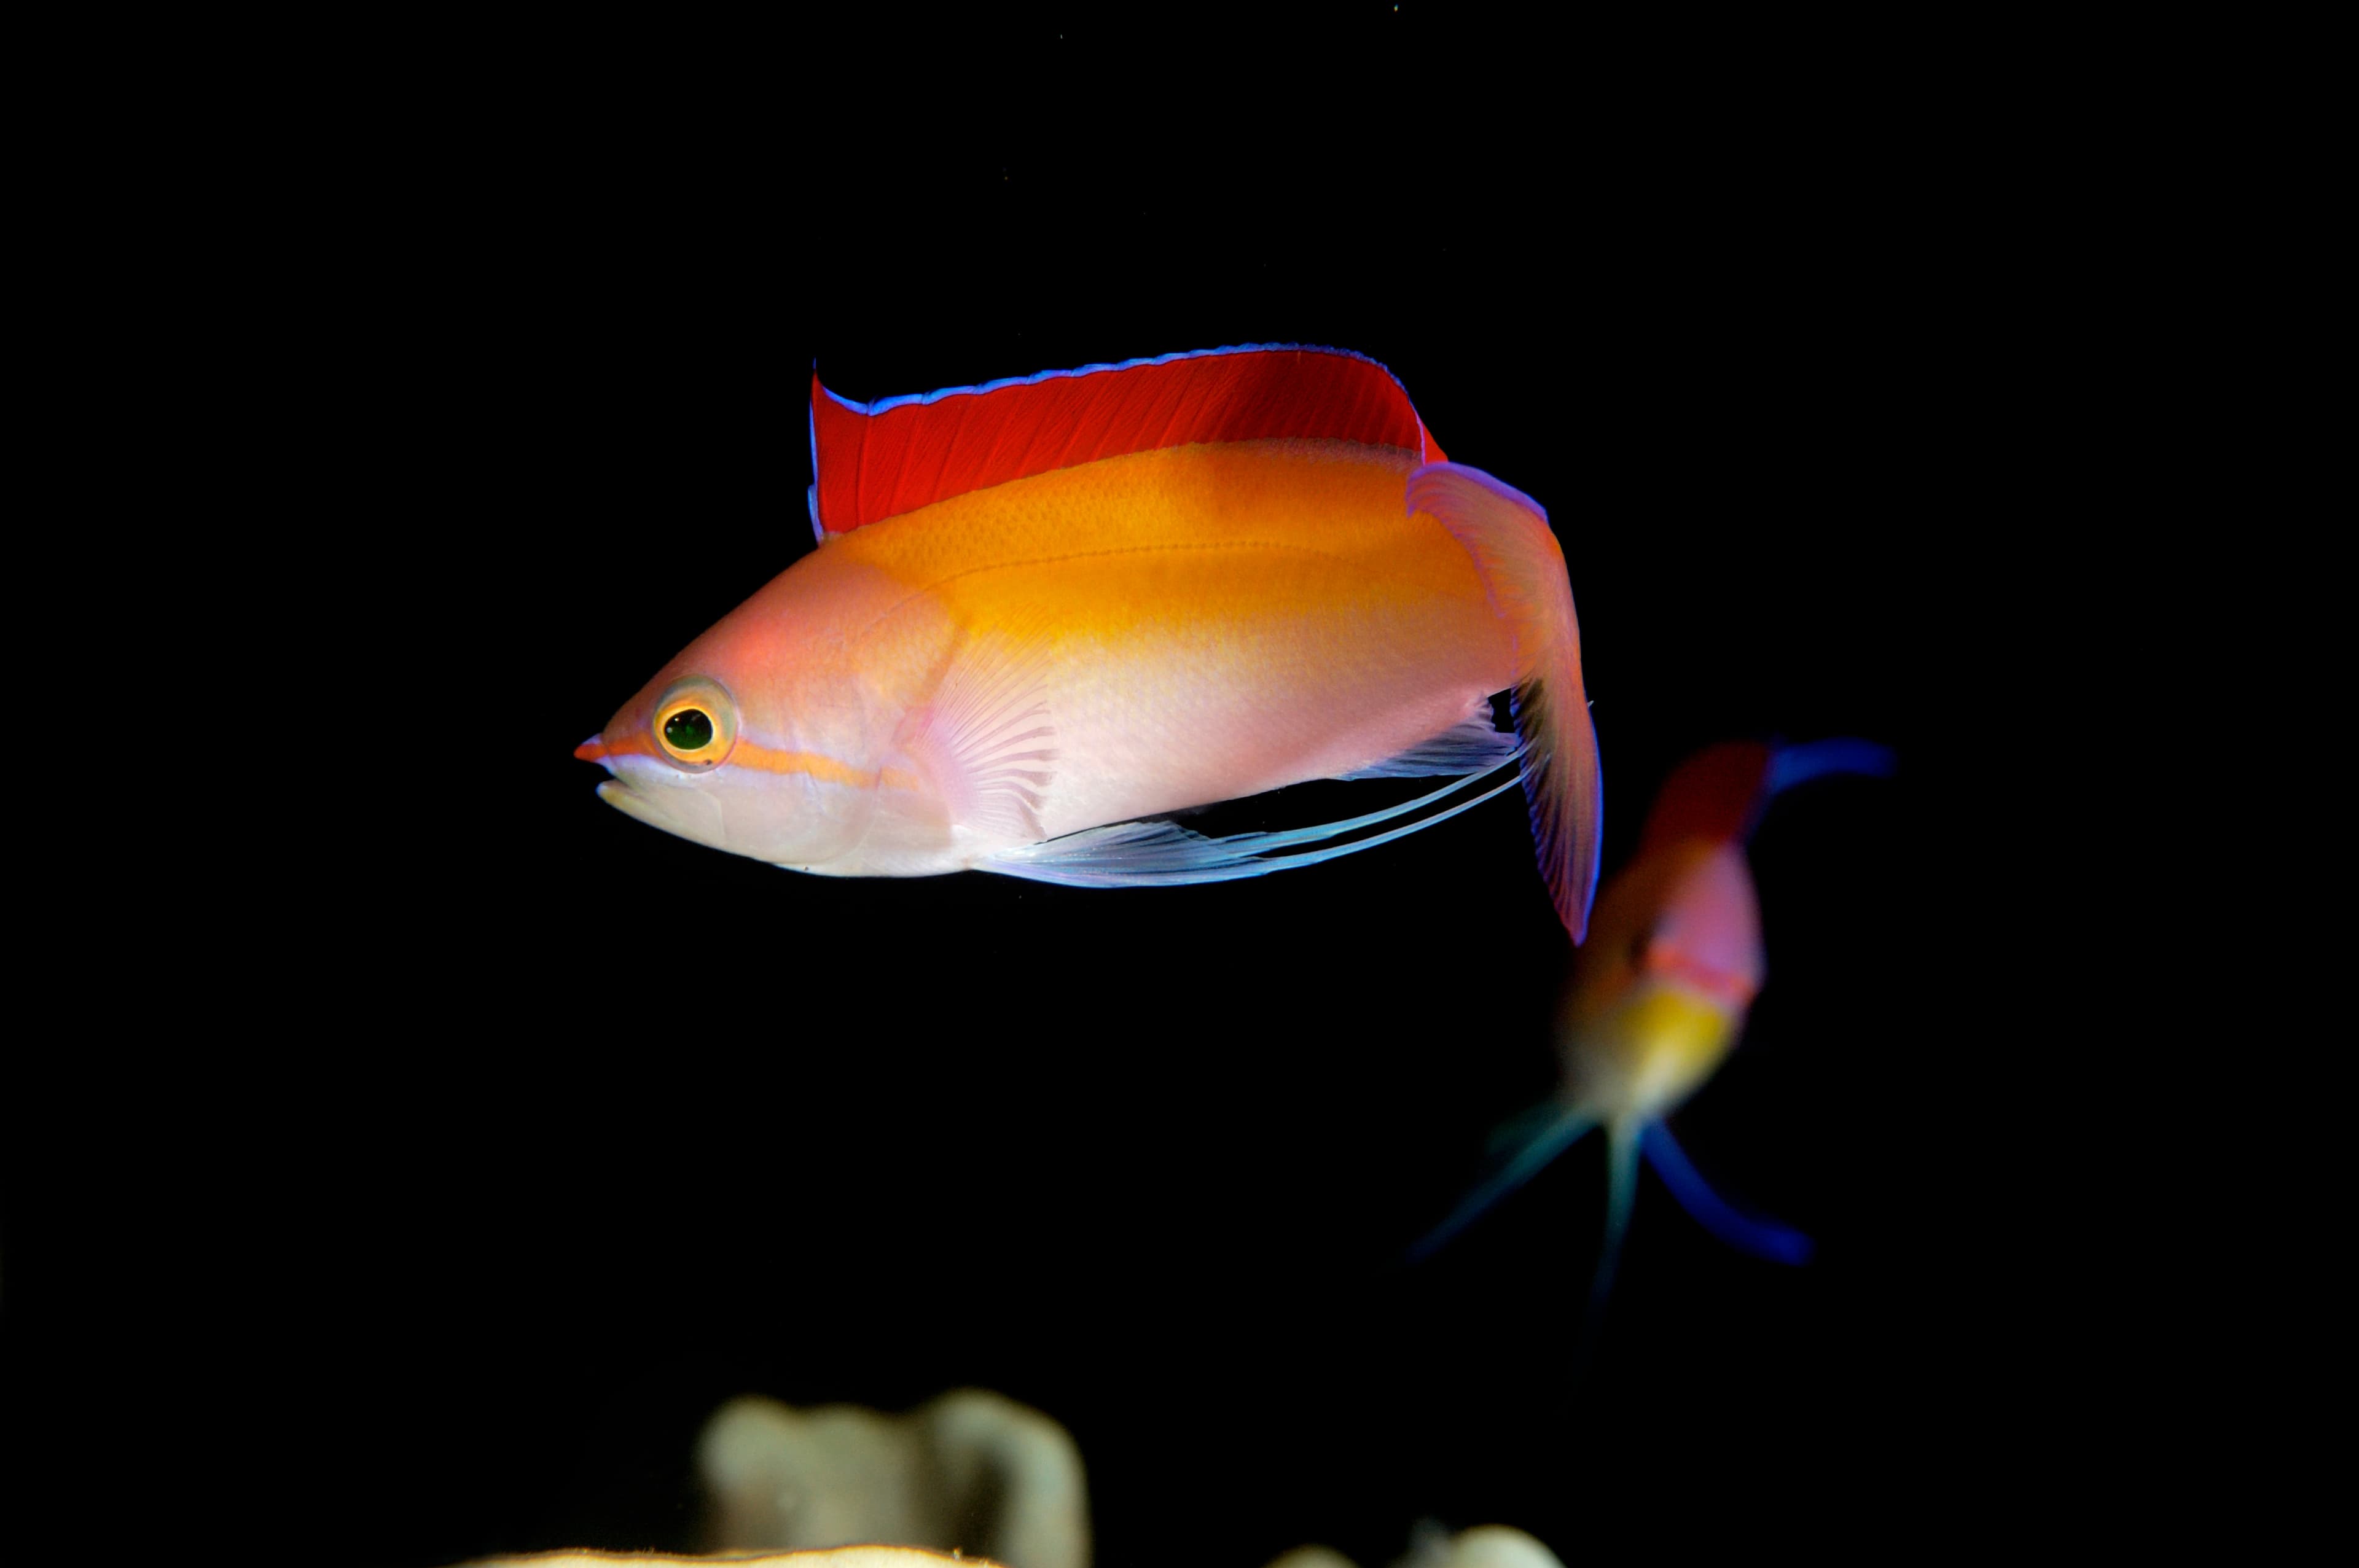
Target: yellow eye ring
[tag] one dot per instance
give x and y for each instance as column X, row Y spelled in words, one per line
column 696, row 723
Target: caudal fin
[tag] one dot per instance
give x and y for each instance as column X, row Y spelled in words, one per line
column 1622, row 1145
column 1762, row 1238
column 1793, row 765
column 1721, row 792
column 1524, row 1149
column 1508, row 533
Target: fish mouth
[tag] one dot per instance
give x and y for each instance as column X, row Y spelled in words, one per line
column 688, row 813
column 615, row 791
column 619, row 795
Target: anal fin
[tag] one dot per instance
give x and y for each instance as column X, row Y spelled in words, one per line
column 1163, row 854
column 1471, row 746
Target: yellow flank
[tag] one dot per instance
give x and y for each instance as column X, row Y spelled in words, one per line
column 1201, row 537
column 1661, row 1043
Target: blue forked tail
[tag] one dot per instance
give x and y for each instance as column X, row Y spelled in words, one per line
column 1764, row 1238
column 1791, row 765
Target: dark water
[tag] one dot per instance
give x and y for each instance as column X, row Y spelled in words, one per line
column 583, row 1129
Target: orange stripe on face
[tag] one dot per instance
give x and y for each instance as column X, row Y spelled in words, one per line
column 770, row 760
column 755, row 755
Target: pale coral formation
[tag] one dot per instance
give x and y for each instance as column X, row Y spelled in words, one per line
column 972, row 1478
column 1486, row 1546
column 1489, row 1546
column 1492, row 1546
column 971, row 1471
column 842, row 1557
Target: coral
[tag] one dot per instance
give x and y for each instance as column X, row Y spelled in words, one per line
column 842, row 1557
column 971, row 1471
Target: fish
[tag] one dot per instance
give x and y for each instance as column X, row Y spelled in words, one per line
column 1659, row 999
column 1046, row 614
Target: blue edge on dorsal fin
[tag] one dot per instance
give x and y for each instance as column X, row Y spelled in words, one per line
column 883, row 404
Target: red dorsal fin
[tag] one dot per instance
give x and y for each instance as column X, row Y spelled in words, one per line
column 1717, row 794
column 879, row 460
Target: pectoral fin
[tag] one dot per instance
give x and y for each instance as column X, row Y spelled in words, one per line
column 987, row 741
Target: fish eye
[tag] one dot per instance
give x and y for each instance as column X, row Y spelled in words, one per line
column 696, row 723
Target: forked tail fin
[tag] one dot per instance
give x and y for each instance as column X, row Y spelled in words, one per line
column 1721, row 792
column 1794, row 765
column 1523, row 568
column 1525, row 1147
column 1622, row 1146
column 1764, row 1238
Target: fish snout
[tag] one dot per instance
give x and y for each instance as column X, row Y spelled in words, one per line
column 594, row 749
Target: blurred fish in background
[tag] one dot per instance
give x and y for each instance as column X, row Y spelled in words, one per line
column 1659, row 996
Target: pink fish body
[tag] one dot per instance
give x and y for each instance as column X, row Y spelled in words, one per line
column 1657, row 1002
column 1045, row 610
column 1659, row 995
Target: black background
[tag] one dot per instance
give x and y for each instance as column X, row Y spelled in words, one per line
column 525, row 1135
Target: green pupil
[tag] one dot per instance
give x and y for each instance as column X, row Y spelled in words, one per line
column 690, row 730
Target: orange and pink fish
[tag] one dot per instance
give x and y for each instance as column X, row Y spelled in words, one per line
column 1659, row 996
column 1045, row 612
